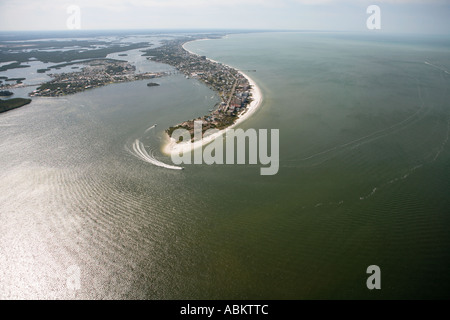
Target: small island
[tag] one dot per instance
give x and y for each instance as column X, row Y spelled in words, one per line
column 6, row 93
column 152, row 84
column 6, row 105
column 14, row 65
column 17, row 80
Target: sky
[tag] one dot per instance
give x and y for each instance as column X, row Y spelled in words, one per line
column 397, row 16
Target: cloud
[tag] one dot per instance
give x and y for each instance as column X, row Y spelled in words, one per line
column 152, row 3
column 265, row 14
column 118, row 5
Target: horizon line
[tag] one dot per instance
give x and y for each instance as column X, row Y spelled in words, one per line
column 222, row 30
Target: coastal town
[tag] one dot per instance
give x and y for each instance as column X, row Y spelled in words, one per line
column 95, row 74
column 233, row 88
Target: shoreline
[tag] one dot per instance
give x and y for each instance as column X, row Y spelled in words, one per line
column 171, row 146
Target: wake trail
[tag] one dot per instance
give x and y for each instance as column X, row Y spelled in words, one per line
column 152, row 127
column 437, row 67
column 444, row 143
column 364, row 139
column 141, row 152
column 413, row 118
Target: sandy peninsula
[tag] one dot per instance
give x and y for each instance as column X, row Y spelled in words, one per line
column 172, row 147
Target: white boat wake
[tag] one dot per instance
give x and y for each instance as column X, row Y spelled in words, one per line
column 141, row 152
column 437, row 67
column 152, row 127
column 138, row 150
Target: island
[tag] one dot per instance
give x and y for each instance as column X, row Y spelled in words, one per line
column 19, row 82
column 96, row 73
column 232, row 86
column 26, row 51
column 14, row 65
column 6, row 105
column 6, row 93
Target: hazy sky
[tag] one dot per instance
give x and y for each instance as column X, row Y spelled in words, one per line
column 405, row 16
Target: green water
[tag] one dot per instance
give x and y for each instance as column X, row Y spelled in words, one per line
column 364, row 180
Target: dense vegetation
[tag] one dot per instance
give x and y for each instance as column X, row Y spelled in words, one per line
column 14, row 65
column 6, row 105
column 6, row 93
column 61, row 56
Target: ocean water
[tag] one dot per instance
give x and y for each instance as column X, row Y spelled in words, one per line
column 364, row 180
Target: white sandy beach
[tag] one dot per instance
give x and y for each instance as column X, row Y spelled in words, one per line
column 172, row 147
